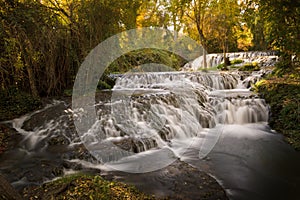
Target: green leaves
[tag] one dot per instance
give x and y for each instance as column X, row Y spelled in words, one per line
column 283, row 95
column 14, row 103
column 250, row 67
column 284, row 30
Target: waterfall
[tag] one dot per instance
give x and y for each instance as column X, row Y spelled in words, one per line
column 148, row 117
column 263, row 58
column 157, row 111
column 212, row 121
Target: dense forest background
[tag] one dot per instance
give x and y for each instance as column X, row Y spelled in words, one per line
column 43, row 42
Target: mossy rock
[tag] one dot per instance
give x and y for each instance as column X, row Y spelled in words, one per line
column 9, row 138
column 222, row 67
column 79, row 186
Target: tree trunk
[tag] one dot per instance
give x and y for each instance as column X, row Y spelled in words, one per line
column 28, row 64
column 226, row 60
column 224, row 56
column 203, row 43
column 31, row 78
column 204, row 59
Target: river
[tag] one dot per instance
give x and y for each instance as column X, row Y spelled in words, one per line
column 209, row 120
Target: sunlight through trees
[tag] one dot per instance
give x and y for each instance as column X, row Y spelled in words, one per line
column 43, row 42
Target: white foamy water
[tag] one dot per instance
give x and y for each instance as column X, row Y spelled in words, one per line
column 157, row 116
column 260, row 57
column 209, row 120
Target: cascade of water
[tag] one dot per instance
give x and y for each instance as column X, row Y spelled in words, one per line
column 166, row 115
column 242, row 111
column 149, row 112
column 164, row 80
column 156, row 110
column 46, row 131
column 263, row 58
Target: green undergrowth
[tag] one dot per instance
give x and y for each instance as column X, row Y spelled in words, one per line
column 283, row 96
column 14, row 103
column 208, row 69
column 250, row 67
column 3, row 139
column 236, row 61
column 231, row 65
column 234, row 64
column 222, row 67
column 80, row 186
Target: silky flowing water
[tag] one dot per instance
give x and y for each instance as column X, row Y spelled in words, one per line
column 210, row 121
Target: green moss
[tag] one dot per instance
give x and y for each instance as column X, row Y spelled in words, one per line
column 250, row 67
column 68, row 92
column 222, row 67
column 212, row 68
column 79, row 186
column 283, row 95
column 103, row 85
column 231, row 66
column 236, row 61
column 106, row 82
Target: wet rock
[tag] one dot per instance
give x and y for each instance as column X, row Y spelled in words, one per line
column 7, row 192
column 103, row 95
column 164, row 133
column 136, row 145
column 72, row 166
column 9, row 138
column 176, row 181
column 41, row 118
column 79, row 167
column 207, row 121
column 125, row 144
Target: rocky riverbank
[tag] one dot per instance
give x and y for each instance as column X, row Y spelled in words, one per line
column 181, row 182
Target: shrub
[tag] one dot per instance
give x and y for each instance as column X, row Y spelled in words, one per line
column 236, row 61
column 285, row 108
column 250, row 67
column 103, row 85
column 14, row 103
column 222, row 67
